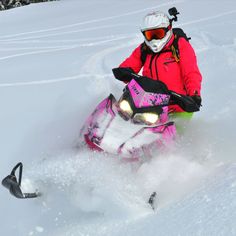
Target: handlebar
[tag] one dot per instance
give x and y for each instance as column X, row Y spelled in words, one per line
column 185, row 102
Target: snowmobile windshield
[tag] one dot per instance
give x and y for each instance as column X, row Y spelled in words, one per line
column 148, row 93
column 143, row 100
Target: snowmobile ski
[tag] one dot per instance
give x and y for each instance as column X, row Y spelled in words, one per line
column 14, row 185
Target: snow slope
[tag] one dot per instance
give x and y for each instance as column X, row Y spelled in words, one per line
column 56, row 61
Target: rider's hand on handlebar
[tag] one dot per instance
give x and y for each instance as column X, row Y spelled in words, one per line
column 123, row 74
column 197, row 99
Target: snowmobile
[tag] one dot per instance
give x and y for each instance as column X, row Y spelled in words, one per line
column 138, row 122
column 130, row 127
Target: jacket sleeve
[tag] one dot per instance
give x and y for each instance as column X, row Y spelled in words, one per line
column 134, row 60
column 189, row 68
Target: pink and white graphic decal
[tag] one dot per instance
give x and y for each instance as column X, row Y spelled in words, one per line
column 146, row 99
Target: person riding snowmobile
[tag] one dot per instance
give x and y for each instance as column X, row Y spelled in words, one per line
column 167, row 57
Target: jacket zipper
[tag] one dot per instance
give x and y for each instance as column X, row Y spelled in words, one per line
column 150, row 64
column 156, row 66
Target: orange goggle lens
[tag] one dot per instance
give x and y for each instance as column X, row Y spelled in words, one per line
column 159, row 33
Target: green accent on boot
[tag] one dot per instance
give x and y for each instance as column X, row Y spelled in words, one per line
column 181, row 120
column 181, row 115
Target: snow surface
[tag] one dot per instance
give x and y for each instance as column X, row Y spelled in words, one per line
column 56, row 60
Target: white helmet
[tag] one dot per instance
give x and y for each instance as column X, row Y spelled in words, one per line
column 155, row 20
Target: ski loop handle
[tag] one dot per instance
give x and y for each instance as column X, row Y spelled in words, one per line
column 20, row 166
column 10, row 182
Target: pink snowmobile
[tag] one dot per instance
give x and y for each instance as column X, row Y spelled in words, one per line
column 138, row 122
column 131, row 127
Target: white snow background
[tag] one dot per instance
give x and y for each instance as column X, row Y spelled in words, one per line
column 55, row 62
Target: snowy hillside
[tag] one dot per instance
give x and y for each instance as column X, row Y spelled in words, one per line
column 56, row 60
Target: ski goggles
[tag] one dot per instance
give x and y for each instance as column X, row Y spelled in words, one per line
column 158, row 33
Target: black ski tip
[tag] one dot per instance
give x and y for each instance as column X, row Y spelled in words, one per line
column 13, row 184
column 152, row 200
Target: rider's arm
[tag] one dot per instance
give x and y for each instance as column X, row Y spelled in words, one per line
column 133, row 61
column 189, row 68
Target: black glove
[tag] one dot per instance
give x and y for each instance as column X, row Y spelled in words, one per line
column 123, row 74
column 187, row 103
column 197, row 99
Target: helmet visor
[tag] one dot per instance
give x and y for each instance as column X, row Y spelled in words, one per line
column 158, row 33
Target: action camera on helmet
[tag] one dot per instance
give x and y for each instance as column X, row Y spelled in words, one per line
column 173, row 12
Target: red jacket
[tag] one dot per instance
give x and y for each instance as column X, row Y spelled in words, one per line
column 182, row 77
